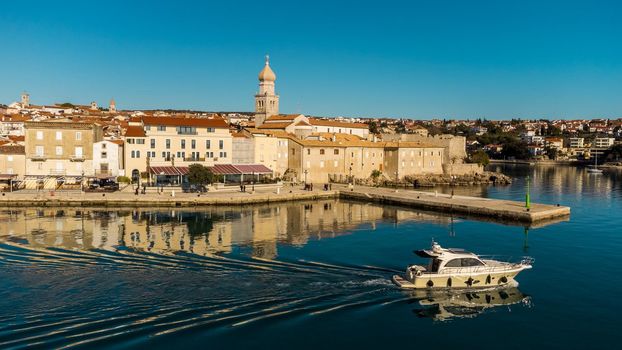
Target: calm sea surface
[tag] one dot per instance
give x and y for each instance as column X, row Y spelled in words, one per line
column 309, row 275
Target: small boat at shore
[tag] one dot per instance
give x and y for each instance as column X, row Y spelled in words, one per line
column 456, row 268
column 594, row 169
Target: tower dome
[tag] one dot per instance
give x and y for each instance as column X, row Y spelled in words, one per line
column 266, row 73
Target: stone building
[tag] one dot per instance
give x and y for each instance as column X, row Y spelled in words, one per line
column 60, row 147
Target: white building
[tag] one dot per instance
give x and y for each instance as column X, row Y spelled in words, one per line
column 604, row 142
column 576, row 142
column 108, row 158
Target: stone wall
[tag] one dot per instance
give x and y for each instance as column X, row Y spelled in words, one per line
column 462, row 169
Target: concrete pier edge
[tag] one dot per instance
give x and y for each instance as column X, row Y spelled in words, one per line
column 471, row 206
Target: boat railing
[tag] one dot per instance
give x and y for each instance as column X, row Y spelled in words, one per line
column 507, row 263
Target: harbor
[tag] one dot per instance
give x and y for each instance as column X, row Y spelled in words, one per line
column 476, row 207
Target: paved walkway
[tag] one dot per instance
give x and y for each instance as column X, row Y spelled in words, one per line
column 491, row 208
column 129, row 198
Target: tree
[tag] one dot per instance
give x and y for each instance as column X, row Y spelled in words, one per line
column 516, row 149
column 199, row 175
column 373, row 127
column 376, row 174
column 551, row 152
column 480, row 157
column 615, row 152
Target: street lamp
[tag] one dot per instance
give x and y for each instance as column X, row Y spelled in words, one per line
column 253, row 173
column 82, row 182
column 396, row 178
column 527, row 199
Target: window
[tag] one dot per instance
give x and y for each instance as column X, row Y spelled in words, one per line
column 321, row 163
column 161, row 128
column 223, row 154
column 168, row 143
column 39, row 150
column 321, row 151
column 464, row 262
column 59, row 150
column 103, row 145
column 193, row 144
column 209, row 154
column 454, row 263
column 308, row 151
column 186, row 130
column 39, row 135
column 59, row 135
column 208, row 144
column 148, row 127
column 79, row 167
column 153, row 143
column 130, row 141
column 78, row 135
column 211, row 130
column 336, row 151
column 140, row 141
column 335, row 163
column 471, row 262
column 104, row 155
column 9, row 158
column 221, row 144
column 183, row 144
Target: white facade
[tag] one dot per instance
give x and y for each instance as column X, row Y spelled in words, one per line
column 107, row 159
column 604, row 142
column 576, row 142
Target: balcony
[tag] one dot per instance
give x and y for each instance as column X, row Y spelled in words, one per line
column 194, row 159
column 38, row 157
column 103, row 172
column 76, row 158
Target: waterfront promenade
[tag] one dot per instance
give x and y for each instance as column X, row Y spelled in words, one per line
column 503, row 210
column 490, row 209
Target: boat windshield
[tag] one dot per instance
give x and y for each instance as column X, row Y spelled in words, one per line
column 434, row 265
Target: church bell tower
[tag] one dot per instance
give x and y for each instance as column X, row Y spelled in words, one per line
column 266, row 101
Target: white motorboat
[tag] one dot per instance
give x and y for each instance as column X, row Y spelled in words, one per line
column 457, row 268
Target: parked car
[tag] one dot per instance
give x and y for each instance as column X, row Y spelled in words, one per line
column 193, row 188
column 103, row 185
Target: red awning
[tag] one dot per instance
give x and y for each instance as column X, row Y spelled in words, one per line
column 168, row 170
column 237, row 169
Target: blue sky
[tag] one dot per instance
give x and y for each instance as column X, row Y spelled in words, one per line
column 419, row 59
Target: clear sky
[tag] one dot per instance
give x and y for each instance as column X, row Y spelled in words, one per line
column 420, row 59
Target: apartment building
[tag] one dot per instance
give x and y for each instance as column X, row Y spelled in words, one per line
column 176, row 141
column 604, row 142
column 576, row 142
column 60, row 147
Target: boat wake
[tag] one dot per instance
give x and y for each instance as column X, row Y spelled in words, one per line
column 56, row 298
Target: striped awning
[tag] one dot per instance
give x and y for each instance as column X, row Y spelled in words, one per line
column 168, row 170
column 237, row 169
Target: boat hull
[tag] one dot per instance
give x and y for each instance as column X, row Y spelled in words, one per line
column 458, row 281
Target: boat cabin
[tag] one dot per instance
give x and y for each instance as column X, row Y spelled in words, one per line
column 443, row 258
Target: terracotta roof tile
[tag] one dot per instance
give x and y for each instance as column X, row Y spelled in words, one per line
column 135, row 131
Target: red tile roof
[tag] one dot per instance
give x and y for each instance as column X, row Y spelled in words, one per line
column 135, row 131
column 196, row 122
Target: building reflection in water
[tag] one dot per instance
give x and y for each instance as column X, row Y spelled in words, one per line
column 199, row 231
